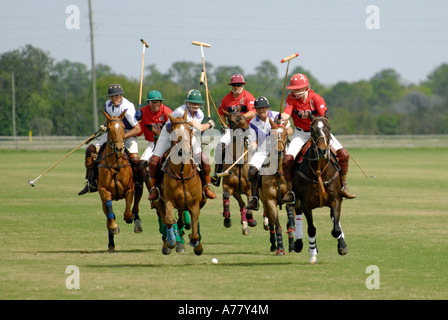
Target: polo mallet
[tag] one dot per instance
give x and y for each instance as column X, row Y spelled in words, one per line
column 202, row 45
column 145, row 45
column 361, row 169
column 288, row 58
column 96, row 134
column 227, row 172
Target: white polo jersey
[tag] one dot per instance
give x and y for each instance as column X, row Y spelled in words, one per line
column 129, row 119
column 164, row 142
column 260, row 132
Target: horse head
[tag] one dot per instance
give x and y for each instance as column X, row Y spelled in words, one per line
column 279, row 134
column 236, row 120
column 320, row 136
column 181, row 135
column 115, row 132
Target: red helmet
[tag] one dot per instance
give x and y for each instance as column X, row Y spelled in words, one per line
column 237, row 78
column 298, row 81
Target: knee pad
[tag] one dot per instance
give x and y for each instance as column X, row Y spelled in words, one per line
column 343, row 158
column 134, row 159
column 153, row 165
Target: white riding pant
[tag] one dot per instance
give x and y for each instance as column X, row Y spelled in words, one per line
column 131, row 143
column 300, row 137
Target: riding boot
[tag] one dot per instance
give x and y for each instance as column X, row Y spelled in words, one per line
column 215, row 180
column 153, row 168
column 343, row 159
column 254, row 178
column 290, row 197
column 143, row 171
column 91, row 185
column 138, row 179
column 208, row 189
column 345, row 193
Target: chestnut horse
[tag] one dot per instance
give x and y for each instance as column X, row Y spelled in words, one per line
column 273, row 188
column 237, row 182
column 317, row 184
column 115, row 178
column 181, row 187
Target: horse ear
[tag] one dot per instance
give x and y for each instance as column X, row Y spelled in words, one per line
column 185, row 115
column 106, row 115
column 121, row 116
column 171, row 117
column 271, row 122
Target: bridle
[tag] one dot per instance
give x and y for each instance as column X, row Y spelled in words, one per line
column 111, row 142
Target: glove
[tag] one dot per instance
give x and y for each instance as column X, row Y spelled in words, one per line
column 211, row 123
column 103, row 128
column 138, row 115
column 278, row 118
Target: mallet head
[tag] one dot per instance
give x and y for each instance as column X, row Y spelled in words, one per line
column 197, row 43
column 295, row 55
column 145, row 43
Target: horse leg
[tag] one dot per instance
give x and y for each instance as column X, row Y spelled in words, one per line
column 271, row 205
column 169, row 221
column 337, row 232
column 272, row 238
column 296, row 220
column 128, row 217
column 111, row 244
column 311, row 236
column 135, row 209
column 243, row 211
column 195, row 240
column 250, row 219
column 108, row 211
column 226, row 212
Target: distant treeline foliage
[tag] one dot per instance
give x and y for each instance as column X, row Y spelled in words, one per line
column 55, row 97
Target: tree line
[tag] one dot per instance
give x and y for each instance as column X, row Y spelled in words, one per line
column 55, row 97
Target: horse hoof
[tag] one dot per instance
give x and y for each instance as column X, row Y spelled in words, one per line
column 342, row 247
column 138, row 226
column 198, row 250
column 111, row 249
column 245, row 229
column 166, row 251
column 252, row 223
column 114, row 230
column 298, row 245
column 280, row 252
column 313, row 260
column 227, row 222
column 180, row 248
column 273, row 248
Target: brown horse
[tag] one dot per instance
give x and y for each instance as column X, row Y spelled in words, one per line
column 237, row 182
column 318, row 184
column 273, row 188
column 115, row 178
column 181, row 187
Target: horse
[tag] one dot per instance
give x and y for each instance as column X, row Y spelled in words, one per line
column 237, row 182
column 273, row 188
column 318, row 184
column 181, row 186
column 115, row 178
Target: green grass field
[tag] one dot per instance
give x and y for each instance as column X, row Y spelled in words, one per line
column 398, row 223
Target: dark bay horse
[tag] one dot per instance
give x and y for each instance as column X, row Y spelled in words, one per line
column 181, row 187
column 115, row 178
column 237, row 183
column 273, row 188
column 317, row 183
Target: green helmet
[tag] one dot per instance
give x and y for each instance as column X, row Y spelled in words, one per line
column 154, row 95
column 194, row 96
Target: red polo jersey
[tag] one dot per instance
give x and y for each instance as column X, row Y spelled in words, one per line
column 243, row 104
column 156, row 119
column 296, row 108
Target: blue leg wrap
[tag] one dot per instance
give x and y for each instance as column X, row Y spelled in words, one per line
column 170, row 237
column 110, row 213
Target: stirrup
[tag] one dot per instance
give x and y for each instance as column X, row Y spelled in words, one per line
column 251, row 205
column 158, row 193
column 285, row 199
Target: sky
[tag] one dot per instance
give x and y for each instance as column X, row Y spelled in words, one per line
column 337, row 40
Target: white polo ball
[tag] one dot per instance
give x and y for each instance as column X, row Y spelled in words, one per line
column 215, row 261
